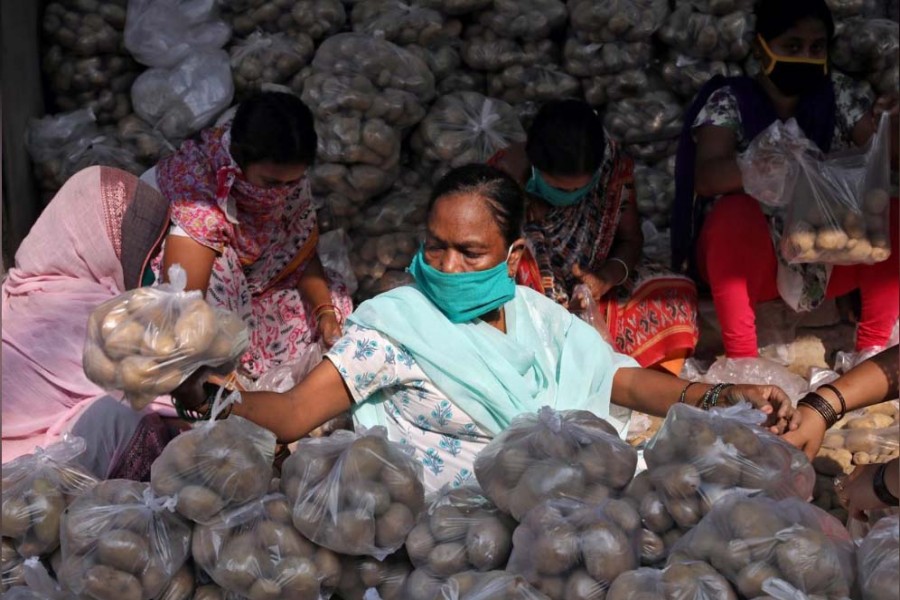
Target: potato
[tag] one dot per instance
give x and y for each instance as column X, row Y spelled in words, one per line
column 105, row 583
column 419, row 543
column 208, row 592
column 654, row 514
column 124, row 340
column 16, row 518
column 653, row 548
column 447, row 559
column 123, row 550
column 488, row 544
column 392, row 527
column 607, row 552
column 557, row 551
column 199, row 503
column 751, row 577
column 373, row 496
column 421, row 586
column 97, row 366
column 695, row 579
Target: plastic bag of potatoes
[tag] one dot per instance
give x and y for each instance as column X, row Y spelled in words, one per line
column 532, row 83
column 387, row 577
column 216, row 466
column 466, row 127
column 461, row 530
column 707, row 36
column 485, row 50
column 659, row 532
column 162, row 33
column 698, row 456
column 857, row 446
column 878, row 560
column 268, row 58
column 12, row 565
column 525, row 19
column 354, row 493
column 752, row 540
column 36, row 490
column 654, row 116
column 122, row 542
column 654, row 192
column 690, row 580
column 37, row 584
column 617, row 20
column 592, row 59
column 493, row 585
column 686, row 75
column 868, row 48
column 600, row 89
column 255, row 552
column 146, row 342
column 840, row 205
column 554, row 454
column 570, row 549
column 400, row 22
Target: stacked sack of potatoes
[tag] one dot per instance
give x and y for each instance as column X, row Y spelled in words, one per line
column 387, row 233
column 365, row 93
column 867, row 49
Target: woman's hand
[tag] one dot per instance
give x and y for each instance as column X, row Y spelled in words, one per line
column 596, row 283
column 330, row 330
column 856, row 491
column 809, row 434
column 769, row 399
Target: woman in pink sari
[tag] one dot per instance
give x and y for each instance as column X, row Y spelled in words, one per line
column 92, row 242
column 244, row 228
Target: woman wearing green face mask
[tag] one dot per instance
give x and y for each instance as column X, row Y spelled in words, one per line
column 583, row 227
column 447, row 363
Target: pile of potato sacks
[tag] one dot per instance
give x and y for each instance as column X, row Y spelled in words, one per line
column 556, row 514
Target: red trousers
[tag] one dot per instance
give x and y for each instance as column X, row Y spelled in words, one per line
column 737, row 258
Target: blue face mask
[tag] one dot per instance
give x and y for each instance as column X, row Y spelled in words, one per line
column 463, row 297
column 557, row 197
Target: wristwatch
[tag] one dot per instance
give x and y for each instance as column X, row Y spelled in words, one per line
column 880, row 488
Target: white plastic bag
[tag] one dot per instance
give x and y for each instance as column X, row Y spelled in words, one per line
column 181, row 100
column 162, row 33
column 334, row 253
column 878, row 560
column 37, row 584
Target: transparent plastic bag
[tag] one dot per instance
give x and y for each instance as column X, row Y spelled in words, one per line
column 354, row 493
column 554, row 454
column 494, row 585
column 600, row 89
column 268, row 58
column 751, row 541
column 462, row 80
column 466, row 127
column 461, row 530
column 563, row 546
column 37, row 584
column 182, row 100
column 617, row 20
column 36, row 490
column 654, row 192
column 485, row 50
column 697, row 457
column 162, row 33
column 148, row 341
column 659, row 531
column 593, row 59
column 319, row 18
column 725, row 38
column 146, row 144
column 878, row 560
column 400, row 22
column 868, row 48
column 689, row 580
column 525, row 19
column 756, row 371
column 768, row 170
column 182, row 584
column 591, row 314
column 46, row 137
column 12, row 573
column 865, row 446
column 532, row 83
column 216, row 466
column 367, row 578
column 255, row 552
column 119, row 540
column 840, row 205
column 403, row 209
column 686, row 75
column 654, row 116
column 334, row 253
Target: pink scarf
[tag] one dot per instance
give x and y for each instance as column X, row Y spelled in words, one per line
column 214, row 204
column 68, row 265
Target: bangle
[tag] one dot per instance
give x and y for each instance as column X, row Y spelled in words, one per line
column 717, row 392
column 324, row 309
column 684, row 391
column 821, row 406
column 622, row 262
column 840, row 398
column 880, row 487
column 711, row 396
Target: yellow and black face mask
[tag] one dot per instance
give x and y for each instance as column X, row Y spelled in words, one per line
column 794, row 76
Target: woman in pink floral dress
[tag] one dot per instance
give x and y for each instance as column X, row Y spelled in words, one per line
column 244, row 229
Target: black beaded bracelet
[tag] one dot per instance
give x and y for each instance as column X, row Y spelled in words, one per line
column 880, row 487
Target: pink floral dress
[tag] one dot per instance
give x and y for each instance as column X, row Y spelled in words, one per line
column 264, row 238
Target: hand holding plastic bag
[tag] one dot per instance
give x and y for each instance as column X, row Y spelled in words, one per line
column 218, row 465
column 148, row 341
column 354, row 493
column 36, row 490
column 120, row 541
column 554, row 454
column 255, row 552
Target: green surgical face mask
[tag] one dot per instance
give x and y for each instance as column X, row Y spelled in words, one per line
column 538, row 186
column 463, row 297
